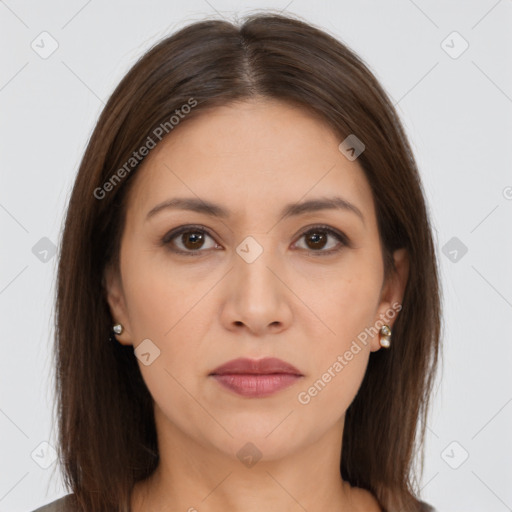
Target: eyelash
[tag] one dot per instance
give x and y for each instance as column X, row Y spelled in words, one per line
column 338, row 235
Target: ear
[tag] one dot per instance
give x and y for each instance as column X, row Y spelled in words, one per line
column 392, row 294
column 115, row 297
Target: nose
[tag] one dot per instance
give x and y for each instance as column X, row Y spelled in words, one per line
column 257, row 297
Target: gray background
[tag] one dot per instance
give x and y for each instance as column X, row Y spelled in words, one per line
column 456, row 107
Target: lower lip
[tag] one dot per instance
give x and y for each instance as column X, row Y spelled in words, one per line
column 256, row 386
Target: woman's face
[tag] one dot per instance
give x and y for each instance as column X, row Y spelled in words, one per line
column 243, row 281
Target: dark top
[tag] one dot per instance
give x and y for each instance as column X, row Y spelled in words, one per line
column 62, row 505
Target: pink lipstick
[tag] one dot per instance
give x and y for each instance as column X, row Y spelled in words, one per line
column 256, row 378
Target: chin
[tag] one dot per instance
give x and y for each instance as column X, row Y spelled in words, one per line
column 259, row 441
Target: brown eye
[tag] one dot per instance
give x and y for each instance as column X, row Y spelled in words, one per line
column 317, row 239
column 188, row 240
column 192, row 239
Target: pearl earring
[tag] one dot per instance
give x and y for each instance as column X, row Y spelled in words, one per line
column 118, row 328
column 385, row 336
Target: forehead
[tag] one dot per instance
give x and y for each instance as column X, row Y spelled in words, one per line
column 251, row 154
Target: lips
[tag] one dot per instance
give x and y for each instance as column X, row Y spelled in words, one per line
column 256, row 378
column 265, row 366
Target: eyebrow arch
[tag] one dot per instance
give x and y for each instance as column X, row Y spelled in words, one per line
column 292, row 209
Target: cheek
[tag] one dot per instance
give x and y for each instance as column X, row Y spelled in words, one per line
column 166, row 308
column 346, row 298
column 339, row 359
column 351, row 308
column 346, row 302
column 169, row 307
column 160, row 297
column 328, row 393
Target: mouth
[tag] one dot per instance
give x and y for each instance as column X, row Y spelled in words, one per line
column 256, row 378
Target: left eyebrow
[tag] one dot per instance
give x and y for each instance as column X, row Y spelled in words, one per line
column 292, row 209
column 324, row 203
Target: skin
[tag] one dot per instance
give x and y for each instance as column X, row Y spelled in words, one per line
column 293, row 303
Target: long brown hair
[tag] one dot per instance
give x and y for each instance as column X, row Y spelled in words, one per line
column 107, row 436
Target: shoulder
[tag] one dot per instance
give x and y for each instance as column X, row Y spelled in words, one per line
column 425, row 507
column 368, row 503
column 61, row 505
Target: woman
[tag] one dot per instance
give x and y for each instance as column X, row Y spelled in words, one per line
column 248, row 309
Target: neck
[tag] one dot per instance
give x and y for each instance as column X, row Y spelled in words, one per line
column 194, row 477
